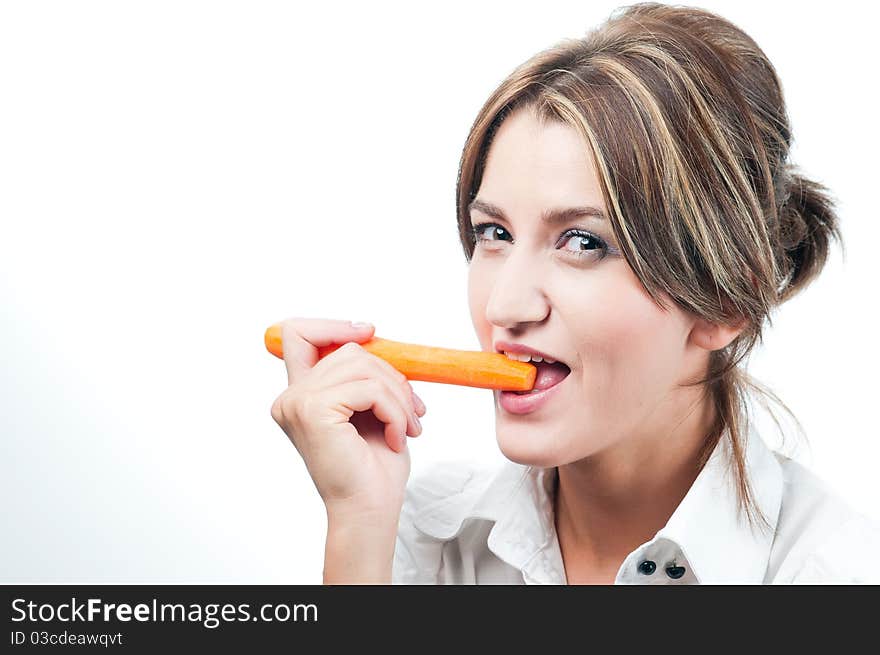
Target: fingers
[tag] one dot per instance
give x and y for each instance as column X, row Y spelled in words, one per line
column 415, row 402
column 376, row 395
column 352, row 362
column 394, row 403
column 301, row 338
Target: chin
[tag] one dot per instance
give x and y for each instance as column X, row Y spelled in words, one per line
column 525, row 449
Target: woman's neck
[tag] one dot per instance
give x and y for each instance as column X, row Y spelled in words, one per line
column 608, row 504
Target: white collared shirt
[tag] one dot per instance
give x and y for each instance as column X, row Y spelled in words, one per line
column 465, row 525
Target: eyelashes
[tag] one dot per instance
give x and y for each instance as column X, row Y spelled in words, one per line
column 586, row 238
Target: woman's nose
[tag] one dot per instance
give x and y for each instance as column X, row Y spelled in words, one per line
column 516, row 296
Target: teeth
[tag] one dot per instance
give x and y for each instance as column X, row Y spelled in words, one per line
column 525, row 357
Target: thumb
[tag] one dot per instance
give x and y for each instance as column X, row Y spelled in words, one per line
column 301, row 338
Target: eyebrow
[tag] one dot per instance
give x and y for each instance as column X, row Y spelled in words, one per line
column 548, row 216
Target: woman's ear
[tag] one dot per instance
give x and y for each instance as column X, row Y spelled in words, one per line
column 714, row 336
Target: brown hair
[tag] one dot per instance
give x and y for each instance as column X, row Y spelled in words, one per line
column 685, row 118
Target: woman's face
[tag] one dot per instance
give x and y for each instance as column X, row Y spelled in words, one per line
column 549, row 287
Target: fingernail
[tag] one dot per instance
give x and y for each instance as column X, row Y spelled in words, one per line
column 358, row 325
column 418, row 424
column 420, row 406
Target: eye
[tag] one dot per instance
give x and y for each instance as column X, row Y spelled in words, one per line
column 478, row 232
column 583, row 244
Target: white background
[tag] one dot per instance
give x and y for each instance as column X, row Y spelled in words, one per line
column 176, row 176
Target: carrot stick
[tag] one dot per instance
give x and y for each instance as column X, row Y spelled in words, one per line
column 469, row 368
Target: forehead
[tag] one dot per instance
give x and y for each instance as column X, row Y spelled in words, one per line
column 533, row 164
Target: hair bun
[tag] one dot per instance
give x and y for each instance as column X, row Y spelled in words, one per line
column 807, row 223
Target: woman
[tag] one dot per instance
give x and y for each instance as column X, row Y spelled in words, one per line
column 629, row 214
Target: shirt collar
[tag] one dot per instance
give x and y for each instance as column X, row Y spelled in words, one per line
column 717, row 544
column 722, row 547
column 518, row 499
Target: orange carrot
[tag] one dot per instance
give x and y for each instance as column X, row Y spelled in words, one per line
column 469, row 368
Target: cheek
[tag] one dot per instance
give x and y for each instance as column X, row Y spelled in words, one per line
column 626, row 340
column 478, row 297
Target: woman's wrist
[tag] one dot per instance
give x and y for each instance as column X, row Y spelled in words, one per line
column 359, row 551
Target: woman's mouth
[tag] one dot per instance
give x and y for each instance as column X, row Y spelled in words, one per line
column 548, row 375
column 547, row 382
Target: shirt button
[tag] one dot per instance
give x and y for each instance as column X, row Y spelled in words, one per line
column 647, row 567
column 675, row 572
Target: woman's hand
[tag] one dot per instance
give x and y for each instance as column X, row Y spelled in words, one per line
column 348, row 415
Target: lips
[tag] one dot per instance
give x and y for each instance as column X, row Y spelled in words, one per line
column 521, row 403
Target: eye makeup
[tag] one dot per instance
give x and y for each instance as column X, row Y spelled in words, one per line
column 586, row 238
